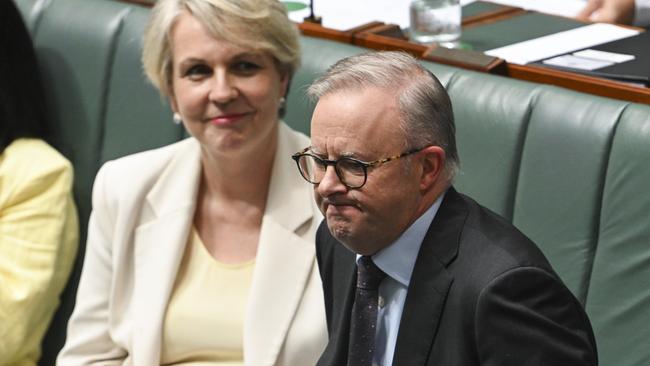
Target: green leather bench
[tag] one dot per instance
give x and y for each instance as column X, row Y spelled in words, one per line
column 570, row 170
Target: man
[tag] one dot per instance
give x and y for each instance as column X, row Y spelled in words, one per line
column 440, row 280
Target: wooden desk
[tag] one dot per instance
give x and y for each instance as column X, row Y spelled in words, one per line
column 380, row 36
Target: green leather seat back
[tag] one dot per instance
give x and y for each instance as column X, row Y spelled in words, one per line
column 75, row 41
column 299, row 107
column 137, row 117
column 559, row 189
column 76, row 56
column 492, row 116
column 618, row 301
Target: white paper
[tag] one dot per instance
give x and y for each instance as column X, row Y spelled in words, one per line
column 575, row 62
column 560, row 43
column 613, row 57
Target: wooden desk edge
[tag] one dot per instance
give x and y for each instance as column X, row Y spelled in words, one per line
column 581, row 83
column 362, row 37
column 374, row 41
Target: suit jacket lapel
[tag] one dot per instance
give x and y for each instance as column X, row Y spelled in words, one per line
column 160, row 241
column 343, row 287
column 284, row 259
column 430, row 283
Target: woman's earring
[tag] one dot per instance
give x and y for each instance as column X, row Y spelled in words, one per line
column 283, row 102
column 177, row 118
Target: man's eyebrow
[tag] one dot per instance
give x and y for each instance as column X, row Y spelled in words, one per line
column 344, row 154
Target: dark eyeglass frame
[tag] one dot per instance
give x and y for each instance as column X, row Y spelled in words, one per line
column 364, row 164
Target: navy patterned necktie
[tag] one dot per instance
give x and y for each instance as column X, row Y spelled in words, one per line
column 364, row 313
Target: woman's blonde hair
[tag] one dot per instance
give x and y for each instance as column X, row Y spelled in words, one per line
column 261, row 25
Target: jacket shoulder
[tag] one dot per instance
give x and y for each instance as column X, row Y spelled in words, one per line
column 494, row 234
column 127, row 180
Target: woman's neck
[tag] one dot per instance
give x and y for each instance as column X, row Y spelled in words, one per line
column 243, row 176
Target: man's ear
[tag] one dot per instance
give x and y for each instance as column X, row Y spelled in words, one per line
column 433, row 167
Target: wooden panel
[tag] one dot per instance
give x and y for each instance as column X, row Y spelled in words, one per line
column 391, row 37
column 582, row 83
column 467, row 59
column 317, row 30
column 387, row 37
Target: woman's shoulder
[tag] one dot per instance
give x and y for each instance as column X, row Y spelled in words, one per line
column 153, row 160
column 33, row 160
column 131, row 177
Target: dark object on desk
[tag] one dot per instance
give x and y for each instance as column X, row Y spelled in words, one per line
column 467, row 59
column 312, row 18
column 635, row 71
column 392, row 37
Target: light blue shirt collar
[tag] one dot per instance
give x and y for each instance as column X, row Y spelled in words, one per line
column 398, row 259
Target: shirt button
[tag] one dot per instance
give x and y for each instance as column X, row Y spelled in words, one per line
column 381, row 302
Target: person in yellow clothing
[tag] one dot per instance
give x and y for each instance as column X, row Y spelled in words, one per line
column 38, row 220
column 38, row 241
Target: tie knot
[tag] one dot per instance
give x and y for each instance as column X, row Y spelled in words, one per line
column 368, row 274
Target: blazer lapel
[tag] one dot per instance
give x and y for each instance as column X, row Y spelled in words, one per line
column 430, row 283
column 284, row 259
column 160, row 243
column 343, row 287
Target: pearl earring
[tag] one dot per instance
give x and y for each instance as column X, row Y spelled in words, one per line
column 177, row 118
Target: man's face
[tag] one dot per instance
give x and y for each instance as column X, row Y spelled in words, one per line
column 364, row 124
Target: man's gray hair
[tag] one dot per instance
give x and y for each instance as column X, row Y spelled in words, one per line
column 426, row 115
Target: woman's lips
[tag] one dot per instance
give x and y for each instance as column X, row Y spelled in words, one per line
column 227, row 119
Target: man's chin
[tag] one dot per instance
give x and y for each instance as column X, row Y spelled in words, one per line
column 338, row 229
column 345, row 236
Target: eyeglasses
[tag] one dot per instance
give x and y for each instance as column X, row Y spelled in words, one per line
column 352, row 172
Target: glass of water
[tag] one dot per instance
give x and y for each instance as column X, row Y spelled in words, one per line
column 435, row 21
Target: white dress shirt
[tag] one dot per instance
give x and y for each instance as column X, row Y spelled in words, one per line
column 397, row 261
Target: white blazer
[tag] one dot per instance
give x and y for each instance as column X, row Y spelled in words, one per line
column 143, row 207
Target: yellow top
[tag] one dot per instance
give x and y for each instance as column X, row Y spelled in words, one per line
column 38, row 244
column 204, row 321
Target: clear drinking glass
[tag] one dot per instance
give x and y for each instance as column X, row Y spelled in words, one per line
column 435, row 21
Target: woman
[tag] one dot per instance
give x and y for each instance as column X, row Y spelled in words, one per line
column 38, row 219
column 202, row 252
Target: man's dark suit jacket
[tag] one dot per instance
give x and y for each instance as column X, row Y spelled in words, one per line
column 481, row 293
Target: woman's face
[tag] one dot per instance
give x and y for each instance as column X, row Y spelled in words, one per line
column 228, row 96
